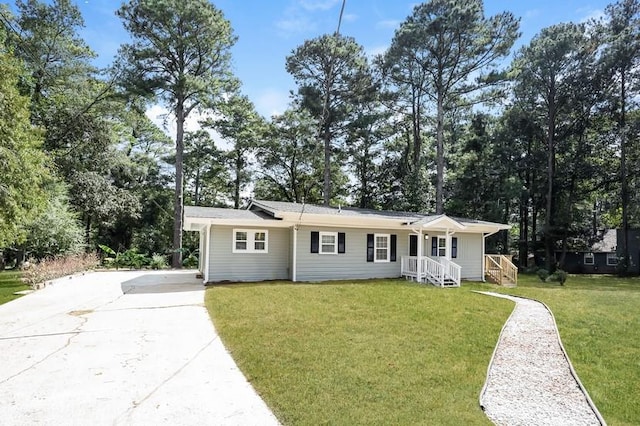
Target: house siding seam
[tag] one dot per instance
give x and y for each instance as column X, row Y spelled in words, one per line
column 349, row 265
column 227, row 266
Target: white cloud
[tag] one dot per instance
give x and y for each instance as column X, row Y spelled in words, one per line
column 318, row 4
column 588, row 14
column 162, row 118
column 376, row 50
column 272, row 102
column 388, row 24
column 350, row 17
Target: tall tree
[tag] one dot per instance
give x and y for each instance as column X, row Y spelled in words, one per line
column 455, row 50
column 24, row 165
column 52, row 50
column 241, row 126
column 554, row 77
column 622, row 60
column 290, row 159
column 180, row 53
column 205, row 170
column 328, row 71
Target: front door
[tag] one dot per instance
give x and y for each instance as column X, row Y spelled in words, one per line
column 413, row 245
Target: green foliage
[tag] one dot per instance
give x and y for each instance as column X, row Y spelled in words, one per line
column 128, row 259
column 24, row 166
column 559, row 276
column 158, row 261
column 180, row 53
column 543, row 274
column 190, row 258
column 55, row 232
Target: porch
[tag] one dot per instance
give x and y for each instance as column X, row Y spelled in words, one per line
column 442, row 272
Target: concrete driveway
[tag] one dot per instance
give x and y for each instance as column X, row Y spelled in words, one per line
column 130, row 348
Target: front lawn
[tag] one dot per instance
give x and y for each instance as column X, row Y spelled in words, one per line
column 374, row 352
column 10, row 282
column 599, row 322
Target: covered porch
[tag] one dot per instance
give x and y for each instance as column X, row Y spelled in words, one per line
column 432, row 248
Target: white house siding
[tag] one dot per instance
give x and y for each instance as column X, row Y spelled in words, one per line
column 469, row 255
column 349, row 265
column 224, row 265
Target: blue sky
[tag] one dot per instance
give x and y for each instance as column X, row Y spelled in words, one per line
column 268, row 30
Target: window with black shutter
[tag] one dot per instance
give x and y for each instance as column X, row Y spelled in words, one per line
column 315, row 241
column 370, row 247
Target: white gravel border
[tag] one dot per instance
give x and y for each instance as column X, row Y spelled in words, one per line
column 530, row 379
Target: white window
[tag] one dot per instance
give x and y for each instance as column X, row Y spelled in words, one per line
column 381, row 247
column 588, row 259
column 442, row 246
column 250, row 241
column 328, row 242
column 612, row 259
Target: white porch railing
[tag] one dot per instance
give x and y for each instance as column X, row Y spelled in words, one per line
column 441, row 273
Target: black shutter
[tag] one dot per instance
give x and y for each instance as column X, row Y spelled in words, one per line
column 370, row 248
column 315, row 241
column 394, row 243
column 413, row 245
column 341, row 242
column 454, row 247
column 434, row 246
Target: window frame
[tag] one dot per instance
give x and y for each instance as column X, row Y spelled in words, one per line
column 589, row 256
column 250, row 241
column 321, row 244
column 442, row 247
column 376, row 248
column 611, row 256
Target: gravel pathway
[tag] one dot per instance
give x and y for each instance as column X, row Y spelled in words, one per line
column 530, row 379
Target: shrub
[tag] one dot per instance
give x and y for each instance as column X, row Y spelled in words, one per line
column 127, row 259
column 559, row 276
column 158, row 261
column 36, row 272
column 191, row 259
column 543, row 274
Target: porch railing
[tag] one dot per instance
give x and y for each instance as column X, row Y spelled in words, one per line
column 441, row 273
column 500, row 269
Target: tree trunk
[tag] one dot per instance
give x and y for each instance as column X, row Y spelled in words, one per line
column 196, row 195
column 176, row 261
column 87, row 234
column 327, row 163
column 236, row 183
column 624, row 187
column 440, row 156
column 551, row 173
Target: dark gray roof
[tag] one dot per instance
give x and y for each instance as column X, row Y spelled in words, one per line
column 409, row 217
column 223, row 213
column 282, row 206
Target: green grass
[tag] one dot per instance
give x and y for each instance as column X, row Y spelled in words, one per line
column 599, row 322
column 10, row 283
column 375, row 352
column 392, row 352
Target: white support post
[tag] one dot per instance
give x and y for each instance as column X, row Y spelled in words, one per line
column 207, row 255
column 419, row 262
column 294, row 260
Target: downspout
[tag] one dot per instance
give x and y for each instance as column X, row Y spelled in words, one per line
column 484, row 237
column 294, row 261
column 207, row 240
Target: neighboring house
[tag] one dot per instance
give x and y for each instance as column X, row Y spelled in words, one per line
column 603, row 256
column 302, row 242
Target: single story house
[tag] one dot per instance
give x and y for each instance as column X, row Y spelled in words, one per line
column 602, row 256
column 273, row 240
